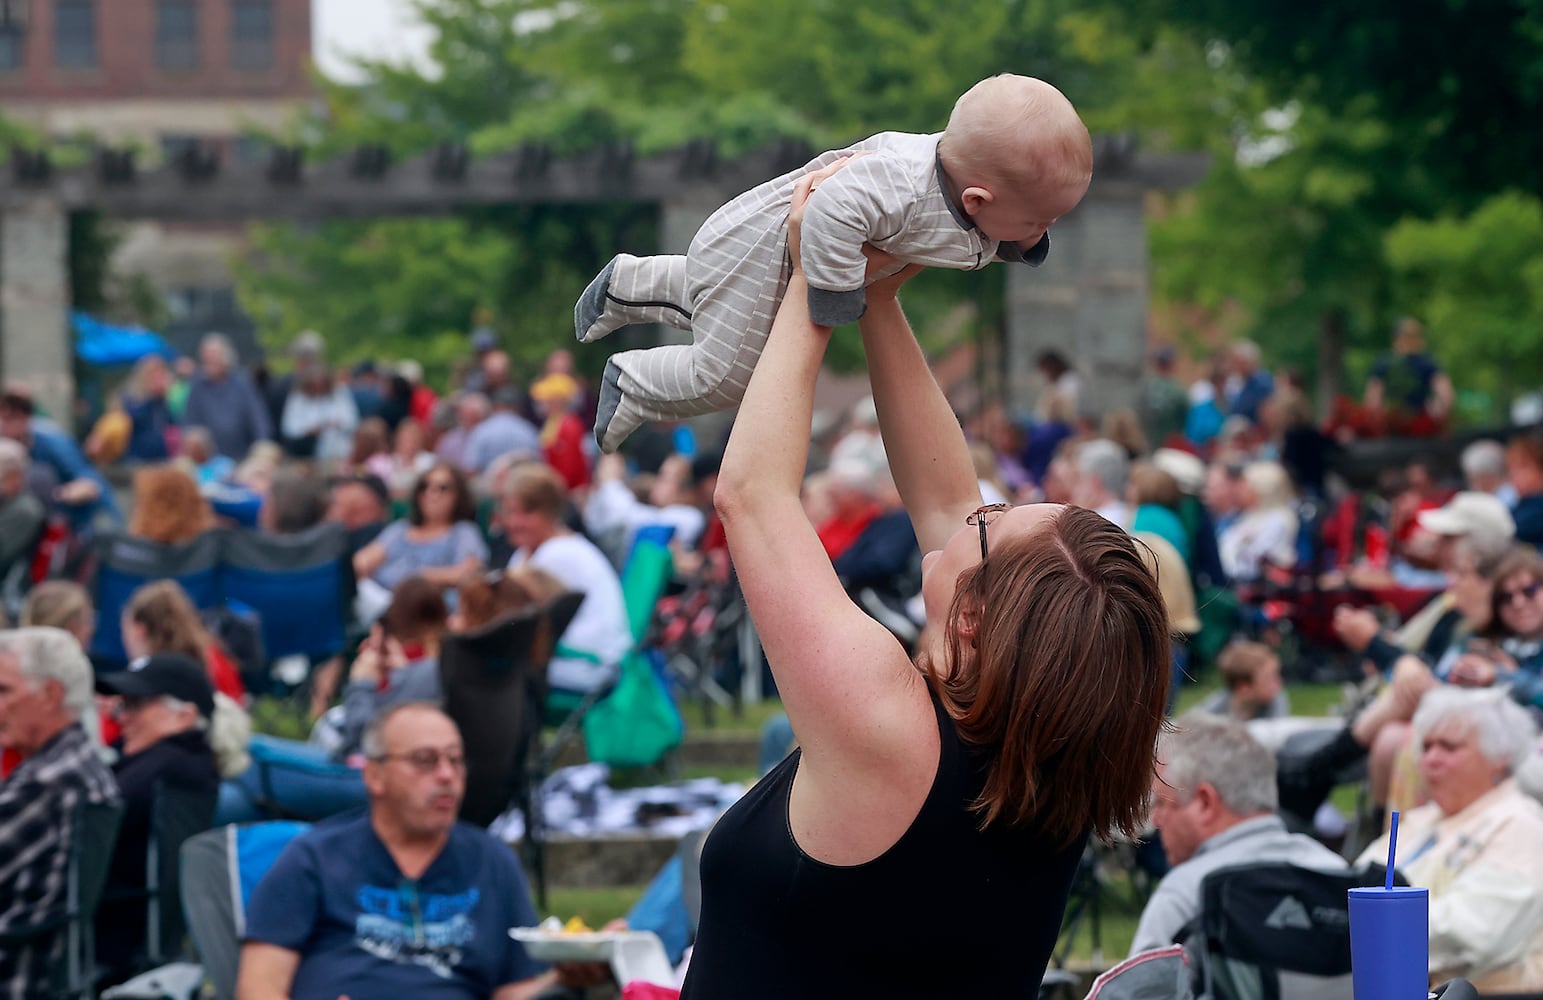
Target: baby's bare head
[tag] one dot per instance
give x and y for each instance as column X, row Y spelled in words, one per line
column 1016, row 131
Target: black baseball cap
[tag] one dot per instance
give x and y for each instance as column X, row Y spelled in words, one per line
column 172, row 674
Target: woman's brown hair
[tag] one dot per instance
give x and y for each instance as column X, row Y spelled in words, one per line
column 485, row 597
column 465, row 508
column 57, row 604
column 417, row 611
column 372, row 437
column 1067, row 688
column 1152, row 485
column 537, row 488
column 1520, row 559
column 170, row 621
column 168, row 507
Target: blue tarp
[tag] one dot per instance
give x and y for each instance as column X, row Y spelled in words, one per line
column 105, row 345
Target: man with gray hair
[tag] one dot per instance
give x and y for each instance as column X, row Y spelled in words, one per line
column 1484, row 471
column 225, row 401
column 45, row 688
column 1102, row 468
column 1213, row 800
column 21, row 514
column 402, row 900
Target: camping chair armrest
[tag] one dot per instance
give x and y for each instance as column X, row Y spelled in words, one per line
column 22, row 936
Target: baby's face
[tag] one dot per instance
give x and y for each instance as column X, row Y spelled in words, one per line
column 1022, row 217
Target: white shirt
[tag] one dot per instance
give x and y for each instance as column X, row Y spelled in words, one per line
column 614, row 511
column 600, row 628
column 332, row 418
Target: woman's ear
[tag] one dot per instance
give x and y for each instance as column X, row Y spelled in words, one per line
column 969, row 624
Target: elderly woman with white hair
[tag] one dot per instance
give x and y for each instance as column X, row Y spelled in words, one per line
column 1475, row 845
column 1265, row 534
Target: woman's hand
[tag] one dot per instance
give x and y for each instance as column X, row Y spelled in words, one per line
column 803, row 188
column 885, row 274
column 1473, row 670
column 368, row 665
column 610, row 468
column 1356, row 627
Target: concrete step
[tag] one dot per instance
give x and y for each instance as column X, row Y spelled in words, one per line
column 599, row 862
column 710, row 748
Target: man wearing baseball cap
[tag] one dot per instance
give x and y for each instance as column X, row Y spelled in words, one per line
column 1482, row 518
column 164, row 708
column 1484, row 523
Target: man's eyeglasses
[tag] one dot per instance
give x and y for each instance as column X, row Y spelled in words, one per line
column 129, row 704
column 427, row 760
column 1526, row 593
column 984, row 516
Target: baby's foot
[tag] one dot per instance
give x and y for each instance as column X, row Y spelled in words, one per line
column 617, row 414
column 590, row 321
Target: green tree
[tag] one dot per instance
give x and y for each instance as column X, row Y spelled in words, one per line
column 1477, row 280
column 657, row 74
column 1459, row 81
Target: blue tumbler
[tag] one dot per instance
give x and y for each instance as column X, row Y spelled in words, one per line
column 1390, row 943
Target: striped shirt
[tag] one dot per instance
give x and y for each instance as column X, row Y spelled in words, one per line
column 37, row 810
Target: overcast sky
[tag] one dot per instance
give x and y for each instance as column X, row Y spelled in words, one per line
column 377, row 28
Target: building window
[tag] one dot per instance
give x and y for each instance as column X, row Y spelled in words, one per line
column 176, row 35
column 75, row 34
column 251, row 35
column 12, row 43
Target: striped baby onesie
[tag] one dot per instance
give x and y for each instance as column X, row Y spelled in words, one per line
column 727, row 287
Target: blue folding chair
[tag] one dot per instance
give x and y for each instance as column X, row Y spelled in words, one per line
column 124, row 564
column 300, row 586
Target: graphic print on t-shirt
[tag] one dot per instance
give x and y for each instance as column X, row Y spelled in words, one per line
column 398, row 925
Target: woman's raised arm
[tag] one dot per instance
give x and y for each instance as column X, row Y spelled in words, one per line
column 842, row 677
column 925, row 445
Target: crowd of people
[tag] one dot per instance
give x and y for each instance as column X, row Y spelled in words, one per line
column 491, row 498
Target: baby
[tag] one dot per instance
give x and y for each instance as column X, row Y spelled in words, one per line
column 1014, row 158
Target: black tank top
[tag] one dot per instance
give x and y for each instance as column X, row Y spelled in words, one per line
column 948, row 911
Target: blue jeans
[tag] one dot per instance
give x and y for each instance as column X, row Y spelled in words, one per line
column 293, row 779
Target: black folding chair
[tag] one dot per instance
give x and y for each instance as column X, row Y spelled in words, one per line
column 175, row 816
column 93, row 833
column 492, row 680
column 1275, row 932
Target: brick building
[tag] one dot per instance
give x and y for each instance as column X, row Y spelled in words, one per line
column 161, row 75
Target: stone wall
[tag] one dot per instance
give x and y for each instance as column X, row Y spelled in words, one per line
column 1088, row 301
column 35, row 344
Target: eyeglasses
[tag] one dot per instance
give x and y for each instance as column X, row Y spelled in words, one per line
column 984, row 516
column 130, row 704
column 427, row 760
column 439, row 486
column 1526, row 593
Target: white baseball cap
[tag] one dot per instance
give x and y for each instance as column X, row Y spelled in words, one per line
column 1479, row 517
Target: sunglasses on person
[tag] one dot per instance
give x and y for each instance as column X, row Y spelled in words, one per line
column 427, row 759
column 984, row 516
column 1526, row 593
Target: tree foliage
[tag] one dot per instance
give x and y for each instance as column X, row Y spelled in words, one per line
column 1478, row 281
column 656, row 73
column 1344, row 139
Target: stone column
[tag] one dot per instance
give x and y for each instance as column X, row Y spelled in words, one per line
column 1088, row 301
column 35, row 341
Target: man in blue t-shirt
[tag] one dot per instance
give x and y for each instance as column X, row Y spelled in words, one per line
column 400, row 900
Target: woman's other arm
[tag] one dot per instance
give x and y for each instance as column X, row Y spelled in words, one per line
column 927, row 452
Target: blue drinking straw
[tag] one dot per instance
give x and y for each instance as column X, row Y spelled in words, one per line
column 1392, row 849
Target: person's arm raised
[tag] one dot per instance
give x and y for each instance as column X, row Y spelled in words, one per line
column 927, row 453
column 841, row 675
